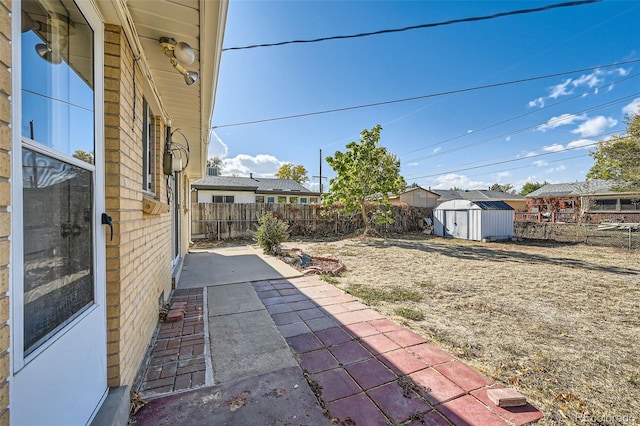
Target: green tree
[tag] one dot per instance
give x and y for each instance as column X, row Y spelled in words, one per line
column 84, row 156
column 215, row 162
column 618, row 159
column 529, row 187
column 291, row 171
column 365, row 173
column 507, row 188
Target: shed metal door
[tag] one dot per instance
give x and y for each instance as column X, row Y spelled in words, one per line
column 456, row 224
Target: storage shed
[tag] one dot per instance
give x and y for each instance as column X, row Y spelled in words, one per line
column 474, row 220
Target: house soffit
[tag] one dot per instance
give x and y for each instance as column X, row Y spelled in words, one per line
column 189, row 107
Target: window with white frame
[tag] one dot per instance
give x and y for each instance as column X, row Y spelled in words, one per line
column 271, row 200
column 293, row 200
column 148, row 148
column 260, row 199
column 303, row 200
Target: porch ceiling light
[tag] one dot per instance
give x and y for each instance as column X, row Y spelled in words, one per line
column 180, row 54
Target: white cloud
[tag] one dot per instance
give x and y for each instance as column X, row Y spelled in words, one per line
column 560, row 89
column 594, row 126
column 413, row 164
column 261, row 165
column 540, row 163
column 530, row 154
column 589, row 80
column 469, row 131
column 553, row 148
column 633, row 107
column 508, row 138
column 438, row 149
column 501, row 175
column 568, row 86
column 581, row 143
column 561, row 120
column 556, row 169
column 216, row 148
column 452, row 180
column 539, row 102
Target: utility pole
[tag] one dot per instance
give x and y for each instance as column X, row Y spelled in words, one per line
column 320, row 177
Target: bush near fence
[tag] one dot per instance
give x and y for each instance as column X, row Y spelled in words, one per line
column 584, row 233
column 220, row 221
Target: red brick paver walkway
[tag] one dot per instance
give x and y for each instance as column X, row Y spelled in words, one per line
column 177, row 360
column 373, row 371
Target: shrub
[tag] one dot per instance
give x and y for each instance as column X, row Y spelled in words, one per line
column 271, row 233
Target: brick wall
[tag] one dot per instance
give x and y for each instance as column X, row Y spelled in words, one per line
column 5, row 201
column 139, row 257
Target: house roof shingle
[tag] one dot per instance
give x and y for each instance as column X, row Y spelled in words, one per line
column 476, row 195
column 257, row 184
column 592, row 187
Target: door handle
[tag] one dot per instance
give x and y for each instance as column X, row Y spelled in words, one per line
column 108, row 220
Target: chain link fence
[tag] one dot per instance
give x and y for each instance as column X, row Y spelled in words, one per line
column 608, row 235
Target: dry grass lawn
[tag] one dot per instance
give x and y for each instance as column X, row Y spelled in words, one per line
column 561, row 323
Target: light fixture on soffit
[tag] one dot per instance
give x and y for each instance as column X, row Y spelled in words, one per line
column 55, row 33
column 180, row 54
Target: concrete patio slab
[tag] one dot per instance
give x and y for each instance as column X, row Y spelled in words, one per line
column 246, row 344
column 228, row 265
column 232, row 299
column 280, row 397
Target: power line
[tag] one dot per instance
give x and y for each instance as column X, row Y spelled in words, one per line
column 431, row 95
column 499, row 137
column 415, row 27
column 475, row 131
column 518, row 159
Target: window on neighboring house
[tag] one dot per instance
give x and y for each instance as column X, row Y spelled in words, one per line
column 271, row 200
column 260, row 199
column 282, row 200
column 629, row 204
column 223, row 198
column 148, row 147
column 293, row 200
column 314, row 200
column 303, row 200
column 605, row 204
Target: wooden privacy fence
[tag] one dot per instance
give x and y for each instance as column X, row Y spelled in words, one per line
column 220, row 221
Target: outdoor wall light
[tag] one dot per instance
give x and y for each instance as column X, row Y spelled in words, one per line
column 179, row 54
column 56, row 36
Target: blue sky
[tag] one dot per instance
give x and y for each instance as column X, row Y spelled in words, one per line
column 441, row 140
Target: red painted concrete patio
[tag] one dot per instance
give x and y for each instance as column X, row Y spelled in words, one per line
column 365, row 368
column 362, row 361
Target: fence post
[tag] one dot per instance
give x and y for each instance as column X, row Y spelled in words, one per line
column 629, row 237
column 586, row 234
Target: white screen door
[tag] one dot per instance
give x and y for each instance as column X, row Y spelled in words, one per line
column 59, row 326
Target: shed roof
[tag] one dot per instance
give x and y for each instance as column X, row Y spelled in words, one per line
column 257, row 184
column 468, row 205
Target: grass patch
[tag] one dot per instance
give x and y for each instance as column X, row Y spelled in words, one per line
column 408, row 313
column 423, row 284
column 329, row 279
column 373, row 295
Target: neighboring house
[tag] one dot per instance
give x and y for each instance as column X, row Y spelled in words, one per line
column 417, row 197
column 229, row 189
column 517, row 202
column 596, row 198
column 93, row 220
